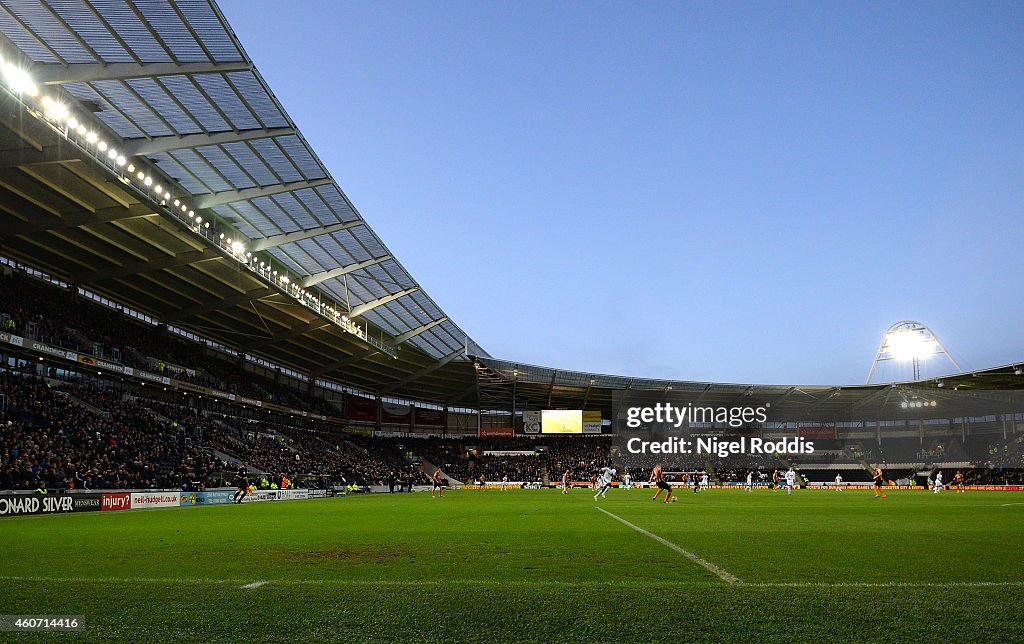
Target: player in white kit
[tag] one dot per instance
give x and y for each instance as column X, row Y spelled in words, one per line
column 750, row 481
column 790, row 480
column 605, row 481
column 938, row 486
column 565, row 482
column 839, row 482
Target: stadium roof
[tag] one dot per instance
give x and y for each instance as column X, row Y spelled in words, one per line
column 172, row 84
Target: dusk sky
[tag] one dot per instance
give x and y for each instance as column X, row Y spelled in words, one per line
column 743, row 192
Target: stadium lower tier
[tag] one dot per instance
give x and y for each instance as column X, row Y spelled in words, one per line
column 87, row 433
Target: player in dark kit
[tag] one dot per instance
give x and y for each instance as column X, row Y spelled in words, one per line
column 436, row 480
column 658, row 478
column 879, row 481
column 242, row 483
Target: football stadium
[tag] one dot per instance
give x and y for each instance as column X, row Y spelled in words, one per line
column 194, row 315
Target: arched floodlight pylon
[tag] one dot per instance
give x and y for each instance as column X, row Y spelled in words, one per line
column 909, row 341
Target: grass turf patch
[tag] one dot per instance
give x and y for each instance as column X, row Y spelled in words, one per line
column 529, row 566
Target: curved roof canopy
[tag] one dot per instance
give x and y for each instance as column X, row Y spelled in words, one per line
column 170, row 87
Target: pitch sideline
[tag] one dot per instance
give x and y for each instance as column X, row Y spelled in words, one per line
column 723, row 574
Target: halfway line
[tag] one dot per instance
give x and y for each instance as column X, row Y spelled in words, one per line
column 724, row 575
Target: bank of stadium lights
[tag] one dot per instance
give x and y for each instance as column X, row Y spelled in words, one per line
column 20, row 82
column 909, row 342
column 917, row 404
column 57, row 112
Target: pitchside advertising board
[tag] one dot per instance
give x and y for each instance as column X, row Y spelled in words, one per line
column 15, row 504
column 57, row 502
column 217, row 497
column 678, row 428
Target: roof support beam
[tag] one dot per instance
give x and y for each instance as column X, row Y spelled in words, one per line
column 462, row 394
column 56, row 74
column 372, row 304
column 551, row 387
column 586, row 395
column 150, row 265
column 276, row 240
column 226, row 303
column 429, row 369
column 316, row 278
column 288, row 334
column 158, row 144
column 75, row 219
column 229, row 196
column 31, row 156
column 412, row 333
column 341, row 364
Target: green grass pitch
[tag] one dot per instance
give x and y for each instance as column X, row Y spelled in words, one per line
column 521, row 566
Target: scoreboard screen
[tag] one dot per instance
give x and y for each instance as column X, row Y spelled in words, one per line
column 561, row 421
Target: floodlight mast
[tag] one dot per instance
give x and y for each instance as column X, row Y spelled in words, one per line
column 909, row 341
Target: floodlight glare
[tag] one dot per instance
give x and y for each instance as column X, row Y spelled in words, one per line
column 91, row 137
column 907, row 345
column 19, row 80
column 55, row 109
column 238, row 248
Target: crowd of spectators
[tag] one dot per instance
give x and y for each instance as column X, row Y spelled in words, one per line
column 47, row 440
column 31, row 308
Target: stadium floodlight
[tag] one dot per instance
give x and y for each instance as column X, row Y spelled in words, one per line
column 909, row 342
column 19, row 80
column 91, row 136
column 55, row 109
column 238, row 248
column 121, row 160
column 908, row 345
column 199, row 220
column 148, row 181
column 112, row 154
column 72, row 122
column 102, row 146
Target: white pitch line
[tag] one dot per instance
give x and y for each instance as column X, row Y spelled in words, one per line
column 724, row 575
column 254, row 585
column 529, row 583
column 1006, row 504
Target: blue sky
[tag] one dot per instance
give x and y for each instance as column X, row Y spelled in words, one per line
column 745, row 192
